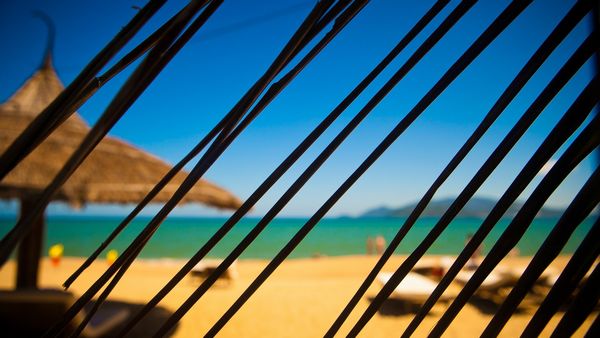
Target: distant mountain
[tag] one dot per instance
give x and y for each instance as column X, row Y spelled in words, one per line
column 476, row 207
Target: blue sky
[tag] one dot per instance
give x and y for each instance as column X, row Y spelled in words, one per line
column 239, row 42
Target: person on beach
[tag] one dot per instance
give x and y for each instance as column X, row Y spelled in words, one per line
column 370, row 245
column 111, row 256
column 379, row 244
column 56, row 253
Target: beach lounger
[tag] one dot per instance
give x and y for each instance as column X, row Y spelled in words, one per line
column 548, row 277
column 433, row 267
column 207, row 266
column 496, row 285
column 551, row 276
column 29, row 313
column 414, row 287
column 493, row 282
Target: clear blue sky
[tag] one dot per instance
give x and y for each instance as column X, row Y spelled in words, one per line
column 238, row 43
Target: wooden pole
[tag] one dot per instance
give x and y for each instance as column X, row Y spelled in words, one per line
column 30, row 250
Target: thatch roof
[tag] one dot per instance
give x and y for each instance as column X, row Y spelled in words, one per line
column 115, row 172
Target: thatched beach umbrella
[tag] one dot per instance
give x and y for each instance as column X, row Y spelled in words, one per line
column 115, row 172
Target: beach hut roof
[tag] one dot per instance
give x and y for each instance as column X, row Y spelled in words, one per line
column 115, row 172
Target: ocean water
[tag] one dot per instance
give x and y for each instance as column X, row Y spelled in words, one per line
column 181, row 237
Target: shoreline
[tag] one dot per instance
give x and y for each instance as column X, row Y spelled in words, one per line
column 176, row 262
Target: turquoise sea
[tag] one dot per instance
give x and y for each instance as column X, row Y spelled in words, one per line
column 181, row 237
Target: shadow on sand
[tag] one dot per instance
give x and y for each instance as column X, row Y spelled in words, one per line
column 489, row 306
column 147, row 327
column 396, row 307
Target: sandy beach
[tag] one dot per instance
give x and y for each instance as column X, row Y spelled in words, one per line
column 301, row 299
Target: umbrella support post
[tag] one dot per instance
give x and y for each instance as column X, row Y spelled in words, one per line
column 29, row 251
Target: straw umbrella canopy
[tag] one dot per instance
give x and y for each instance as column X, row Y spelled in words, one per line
column 115, row 172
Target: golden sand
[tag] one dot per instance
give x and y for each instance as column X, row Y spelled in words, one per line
column 301, row 299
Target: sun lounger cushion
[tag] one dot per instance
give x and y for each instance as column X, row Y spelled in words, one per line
column 414, row 287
